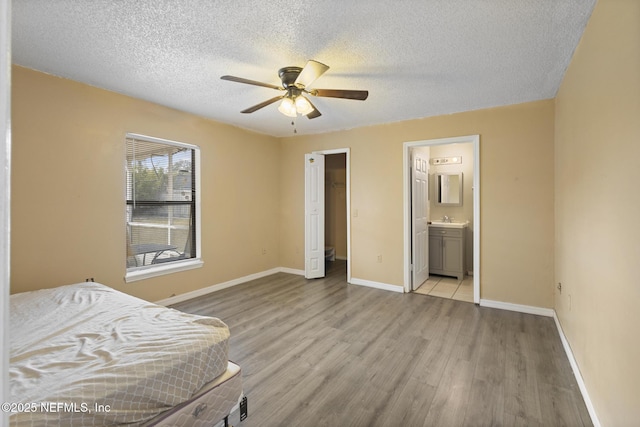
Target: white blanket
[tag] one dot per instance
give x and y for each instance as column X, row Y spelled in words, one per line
column 112, row 358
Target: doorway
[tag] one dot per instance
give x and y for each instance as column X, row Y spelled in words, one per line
column 333, row 204
column 409, row 255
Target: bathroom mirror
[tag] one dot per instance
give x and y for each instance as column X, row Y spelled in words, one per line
column 448, row 189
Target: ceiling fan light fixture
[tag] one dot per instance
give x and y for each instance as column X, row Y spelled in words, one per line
column 295, row 83
column 303, row 106
column 287, row 107
column 293, row 105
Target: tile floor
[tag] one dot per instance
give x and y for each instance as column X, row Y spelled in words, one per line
column 448, row 287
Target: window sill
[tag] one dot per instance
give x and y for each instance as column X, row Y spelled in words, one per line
column 162, row 269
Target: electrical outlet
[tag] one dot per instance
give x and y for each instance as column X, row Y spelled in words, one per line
column 355, row 213
column 264, row 251
column 379, row 258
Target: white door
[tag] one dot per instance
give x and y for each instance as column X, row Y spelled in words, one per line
column 420, row 216
column 314, row 215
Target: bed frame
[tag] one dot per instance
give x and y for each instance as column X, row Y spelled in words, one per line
column 87, row 327
column 209, row 406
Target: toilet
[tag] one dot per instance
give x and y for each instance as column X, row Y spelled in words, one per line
column 329, row 253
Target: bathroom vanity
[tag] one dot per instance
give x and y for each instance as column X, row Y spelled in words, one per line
column 447, row 248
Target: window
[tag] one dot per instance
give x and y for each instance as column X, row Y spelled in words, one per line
column 162, row 213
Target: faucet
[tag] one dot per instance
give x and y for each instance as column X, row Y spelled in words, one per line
column 445, row 218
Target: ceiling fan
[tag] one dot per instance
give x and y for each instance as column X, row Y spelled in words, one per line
column 295, row 84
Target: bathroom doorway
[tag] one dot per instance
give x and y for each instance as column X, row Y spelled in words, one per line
column 455, row 158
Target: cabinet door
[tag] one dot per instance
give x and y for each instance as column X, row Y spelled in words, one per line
column 435, row 253
column 452, row 251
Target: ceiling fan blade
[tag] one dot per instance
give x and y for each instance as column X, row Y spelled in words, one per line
column 359, row 95
column 315, row 113
column 250, row 82
column 311, row 71
column 261, row 105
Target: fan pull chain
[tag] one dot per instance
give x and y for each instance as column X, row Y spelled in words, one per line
column 293, row 123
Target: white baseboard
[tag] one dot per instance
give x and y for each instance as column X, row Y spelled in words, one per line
column 549, row 312
column 576, row 373
column 291, row 271
column 377, row 285
column 529, row 309
column 220, row 286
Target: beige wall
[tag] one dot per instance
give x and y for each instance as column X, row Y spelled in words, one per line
column 516, row 155
column 68, row 217
column 597, row 213
column 68, row 189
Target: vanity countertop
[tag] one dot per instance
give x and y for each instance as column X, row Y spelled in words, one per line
column 448, row 224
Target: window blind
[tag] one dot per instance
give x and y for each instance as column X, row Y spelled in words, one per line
column 160, row 193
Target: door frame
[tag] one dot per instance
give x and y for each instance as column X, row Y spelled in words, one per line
column 347, row 152
column 406, row 200
column 5, row 199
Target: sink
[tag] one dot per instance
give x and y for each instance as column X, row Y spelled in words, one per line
column 453, row 224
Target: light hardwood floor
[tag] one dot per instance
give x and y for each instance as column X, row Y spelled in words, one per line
column 325, row 353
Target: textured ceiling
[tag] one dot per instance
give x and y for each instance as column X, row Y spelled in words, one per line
column 417, row 58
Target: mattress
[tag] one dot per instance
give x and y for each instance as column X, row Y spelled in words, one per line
column 209, row 406
column 95, row 356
